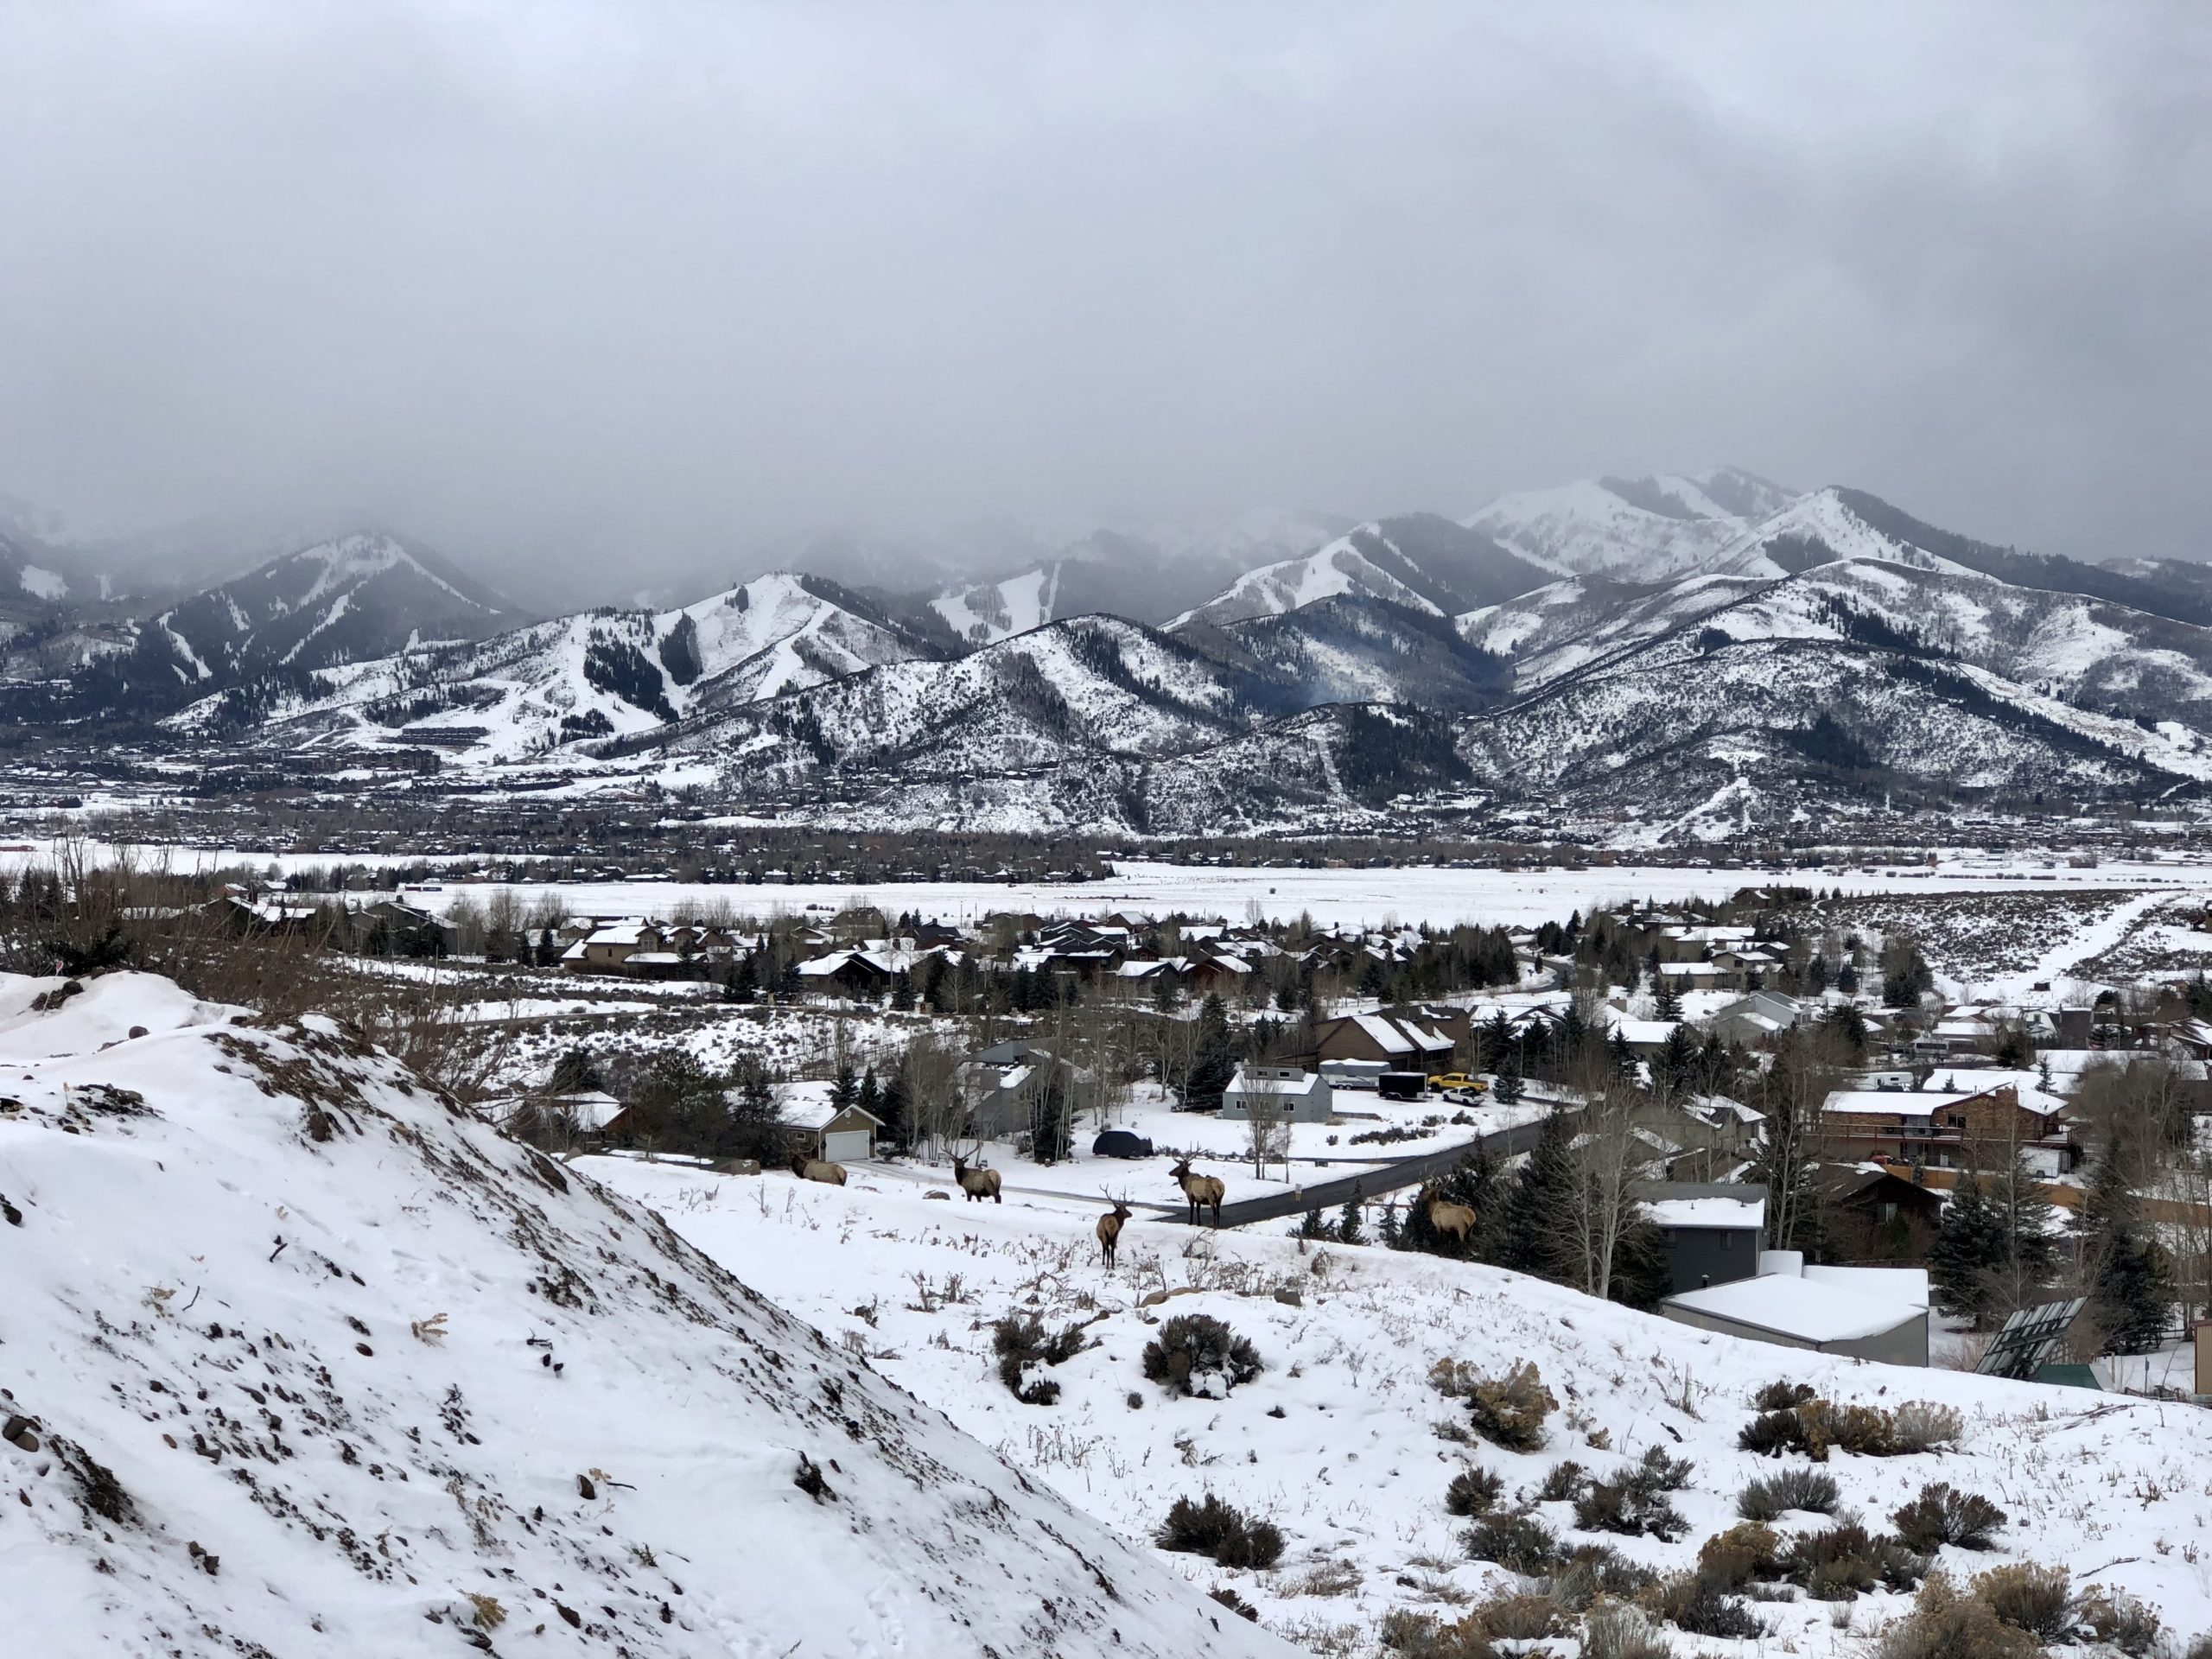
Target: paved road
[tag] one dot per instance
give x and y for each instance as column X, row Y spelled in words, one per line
column 1372, row 1182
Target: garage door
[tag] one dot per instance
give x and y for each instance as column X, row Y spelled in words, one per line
column 845, row 1145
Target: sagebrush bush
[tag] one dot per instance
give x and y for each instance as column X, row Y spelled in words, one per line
column 1942, row 1515
column 2036, row 1599
column 1697, row 1602
column 1866, row 1431
column 1923, row 1426
column 1782, row 1396
column 1519, row 1543
column 1021, row 1343
column 1564, row 1481
column 1594, row 1573
column 1235, row 1603
column 1617, row 1631
column 1945, row 1624
column 1221, row 1530
column 1773, row 1433
column 2120, row 1621
column 1510, row 1410
column 1771, row 1496
column 1842, row 1561
column 1473, row 1490
column 1521, row 1615
column 1617, row 1506
column 1194, row 1350
column 1745, row 1554
column 1657, row 1472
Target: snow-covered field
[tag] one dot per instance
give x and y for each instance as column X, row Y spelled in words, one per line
column 1441, row 897
column 1336, row 1440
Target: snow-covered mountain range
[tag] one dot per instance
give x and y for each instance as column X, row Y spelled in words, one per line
column 1622, row 648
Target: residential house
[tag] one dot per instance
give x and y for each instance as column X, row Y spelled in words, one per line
column 1871, row 1214
column 1403, row 1044
column 604, row 949
column 1001, row 1086
column 1712, row 1232
column 819, row 1127
column 1286, row 1094
column 1756, row 1017
column 1949, row 1128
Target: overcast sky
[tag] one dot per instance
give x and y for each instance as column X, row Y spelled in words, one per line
column 614, row 288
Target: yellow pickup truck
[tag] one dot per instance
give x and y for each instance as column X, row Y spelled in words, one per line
column 1458, row 1080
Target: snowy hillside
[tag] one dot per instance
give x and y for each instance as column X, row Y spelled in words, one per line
column 308, row 1361
column 1343, row 1442
column 1088, row 685
column 348, row 600
column 1419, row 562
column 599, row 674
column 1352, row 649
column 1638, row 530
column 1147, row 574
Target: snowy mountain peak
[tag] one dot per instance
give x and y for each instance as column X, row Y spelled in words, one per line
column 1651, row 528
column 1419, row 562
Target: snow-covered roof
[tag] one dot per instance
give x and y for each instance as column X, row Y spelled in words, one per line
column 1702, row 1214
column 1807, row 1309
column 1889, row 1102
column 1384, row 1033
column 1276, row 1083
column 1905, row 1285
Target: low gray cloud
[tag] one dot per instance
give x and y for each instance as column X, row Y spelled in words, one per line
column 586, row 291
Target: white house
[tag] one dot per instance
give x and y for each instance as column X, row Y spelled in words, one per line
column 1287, row 1093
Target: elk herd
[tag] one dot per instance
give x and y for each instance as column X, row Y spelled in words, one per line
column 1203, row 1194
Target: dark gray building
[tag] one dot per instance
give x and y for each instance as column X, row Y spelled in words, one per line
column 1712, row 1231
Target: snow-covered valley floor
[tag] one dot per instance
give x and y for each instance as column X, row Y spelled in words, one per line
column 1336, row 1440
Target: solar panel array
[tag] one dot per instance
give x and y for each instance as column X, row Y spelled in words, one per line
column 2031, row 1339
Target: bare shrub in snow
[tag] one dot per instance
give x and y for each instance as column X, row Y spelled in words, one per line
column 1473, row 1490
column 1942, row 1514
column 1022, row 1346
column 1510, row 1410
column 1782, row 1396
column 1771, row 1496
column 1923, row 1426
column 1619, row 1632
column 1220, row 1530
column 1700, row 1604
column 1197, row 1354
column 1519, row 1543
column 2036, row 1599
column 1746, row 1553
column 1947, row 1624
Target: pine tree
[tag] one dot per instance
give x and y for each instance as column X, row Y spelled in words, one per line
column 897, row 1113
column 1314, row 1227
column 2134, row 1292
column 1668, row 999
column 1624, row 1057
column 1213, row 1058
column 1393, row 1234
column 1542, row 1195
column 2030, row 1253
column 902, row 992
column 1507, row 1091
column 1969, row 1244
column 844, row 1088
column 1350, row 1227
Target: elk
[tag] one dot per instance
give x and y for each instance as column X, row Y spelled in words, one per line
column 1455, row 1221
column 818, row 1169
column 977, row 1183
column 1109, row 1226
column 1202, row 1192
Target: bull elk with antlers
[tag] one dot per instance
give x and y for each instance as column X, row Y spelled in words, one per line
column 977, row 1183
column 1109, row 1227
column 1201, row 1192
column 1447, row 1219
